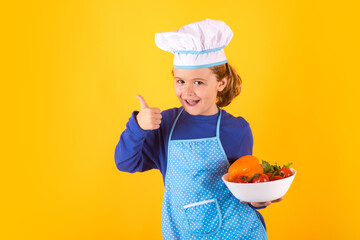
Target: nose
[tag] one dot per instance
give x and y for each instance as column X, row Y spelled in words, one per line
column 188, row 90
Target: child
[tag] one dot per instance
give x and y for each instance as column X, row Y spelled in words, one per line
column 194, row 145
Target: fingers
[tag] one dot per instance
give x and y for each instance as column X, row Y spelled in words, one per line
column 258, row 204
column 263, row 204
column 152, row 114
column 277, row 200
column 148, row 118
column 156, row 111
column 142, row 102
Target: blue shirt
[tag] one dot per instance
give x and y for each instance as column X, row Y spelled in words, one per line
column 140, row 150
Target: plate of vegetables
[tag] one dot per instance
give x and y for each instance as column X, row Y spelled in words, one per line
column 252, row 181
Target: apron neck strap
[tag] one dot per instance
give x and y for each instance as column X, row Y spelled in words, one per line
column 173, row 126
column 217, row 125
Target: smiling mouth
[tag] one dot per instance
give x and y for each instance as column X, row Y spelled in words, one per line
column 192, row 103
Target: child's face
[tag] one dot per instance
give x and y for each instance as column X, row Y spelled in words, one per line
column 197, row 90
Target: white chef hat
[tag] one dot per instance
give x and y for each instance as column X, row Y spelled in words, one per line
column 197, row 45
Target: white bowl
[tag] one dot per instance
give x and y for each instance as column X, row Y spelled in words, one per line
column 260, row 192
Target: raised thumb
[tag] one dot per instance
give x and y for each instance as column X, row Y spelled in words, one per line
column 142, row 101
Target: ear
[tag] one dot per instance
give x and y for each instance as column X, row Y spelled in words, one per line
column 222, row 84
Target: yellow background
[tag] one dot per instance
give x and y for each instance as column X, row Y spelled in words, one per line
column 69, row 75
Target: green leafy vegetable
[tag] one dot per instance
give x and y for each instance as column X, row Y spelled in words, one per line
column 267, row 167
column 274, row 169
column 287, row 166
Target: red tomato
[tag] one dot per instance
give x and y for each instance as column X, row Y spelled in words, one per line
column 285, row 172
column 261, row 178
column 269, row 174
column 241, row 179
column 277, row 177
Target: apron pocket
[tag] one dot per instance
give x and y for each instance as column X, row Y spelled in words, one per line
column 203, row 218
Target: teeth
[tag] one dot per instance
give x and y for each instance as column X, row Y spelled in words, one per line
column 191, row 101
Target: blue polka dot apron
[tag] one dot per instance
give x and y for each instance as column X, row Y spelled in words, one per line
column 197, row 204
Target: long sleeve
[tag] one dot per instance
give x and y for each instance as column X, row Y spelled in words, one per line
column 246, row 147
column 137, row 149
column 247, row 143
column 237, row 139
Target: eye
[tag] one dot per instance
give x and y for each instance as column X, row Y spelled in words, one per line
column 198, row 82
column 179, row 81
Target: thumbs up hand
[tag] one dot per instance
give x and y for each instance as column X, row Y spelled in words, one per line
column 148, row 118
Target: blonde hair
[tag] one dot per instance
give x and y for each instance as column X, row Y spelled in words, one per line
column 233, row 85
